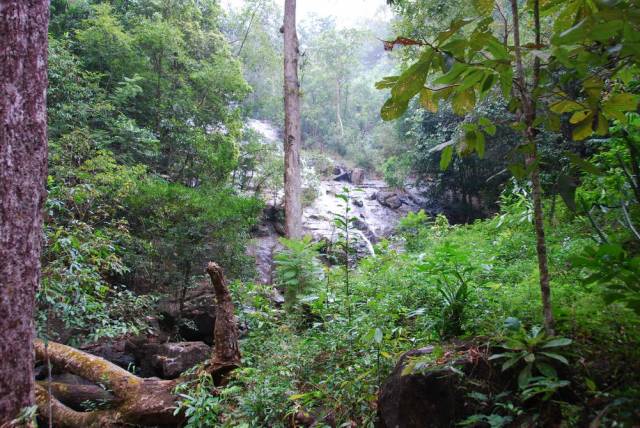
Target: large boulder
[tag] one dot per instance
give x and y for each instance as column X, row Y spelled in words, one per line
column 424, row 391
column 391, row 200
column 357, row 176
column 116, row 350
column 169, row 360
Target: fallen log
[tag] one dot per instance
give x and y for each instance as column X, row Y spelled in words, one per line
column 79, row 397
column 137, row 401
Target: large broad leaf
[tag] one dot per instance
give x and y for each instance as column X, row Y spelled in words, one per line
column 393, row 108
column 546, row 369
column 412, row 80
column 463, row 102
column 453, row 74
column 387, row 82
column 617, row 105
column 558, row 342
column 567, row 189
column 445, row 157
column 575, row 34
column 428, row 100
column 555, row 356
column 583, row 129
column 565, row 106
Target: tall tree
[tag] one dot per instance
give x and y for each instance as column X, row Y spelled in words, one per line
column 292, row 134
column 23, row 169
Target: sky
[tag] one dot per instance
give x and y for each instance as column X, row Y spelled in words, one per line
column 346, row 12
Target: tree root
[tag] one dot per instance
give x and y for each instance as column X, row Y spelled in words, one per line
column 133, row 400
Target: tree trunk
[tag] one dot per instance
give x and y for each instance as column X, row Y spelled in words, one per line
column 529, row 115
column 23, row 171
column 292, row 133
column 134, row 400
column 338, row 115
column 226, row 354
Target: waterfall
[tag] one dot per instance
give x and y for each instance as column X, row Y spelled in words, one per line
column 366, row 241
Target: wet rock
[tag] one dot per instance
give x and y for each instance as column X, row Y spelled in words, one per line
column 358, row 203
column 169, row 360
column 357, row 176
column 115, row 351
column 344, row 176
column 389, row 199
column 432, row 397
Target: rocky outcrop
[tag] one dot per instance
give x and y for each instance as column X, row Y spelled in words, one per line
column 169, row 360
column 431, row 393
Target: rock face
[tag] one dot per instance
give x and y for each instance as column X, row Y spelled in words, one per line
column 169, row 360
column 432, row 397
column 357, row 176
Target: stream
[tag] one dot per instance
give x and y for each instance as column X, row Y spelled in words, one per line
column 377, row 208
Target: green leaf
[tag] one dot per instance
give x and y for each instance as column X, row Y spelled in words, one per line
column 445, row 157
column 378, row 336
column 575, row 34
column 579, row 116
column 393, row 109
column 546, row 369
column 524, row 376
column 583, row 129
column 558, row 342
column 412, row 80
column 565, row 106
column 510, row 363
column 555, row 356
column 488, row 126
column 463, row 102
column 427, row 100
column 453, row 74
column 387, row 82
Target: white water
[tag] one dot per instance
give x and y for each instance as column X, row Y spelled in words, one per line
column 375, row 221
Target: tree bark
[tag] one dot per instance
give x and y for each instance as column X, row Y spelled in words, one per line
column 226, row 354
column 529, row 116
column 292, row 133
column 23, row 170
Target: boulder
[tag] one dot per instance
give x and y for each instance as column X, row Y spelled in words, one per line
column 389, row 199
column 115, row 350
column 357, row 176
column 169, row 360
column 343, row 176
column 435, row 395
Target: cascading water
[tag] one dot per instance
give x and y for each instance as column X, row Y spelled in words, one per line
column 377, row 211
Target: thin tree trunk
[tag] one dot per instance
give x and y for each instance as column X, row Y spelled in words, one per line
column 338, row 115
column 292, row 133
column 529, row 113
column 23, row 171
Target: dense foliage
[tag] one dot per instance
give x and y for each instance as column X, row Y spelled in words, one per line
column 144, row 134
